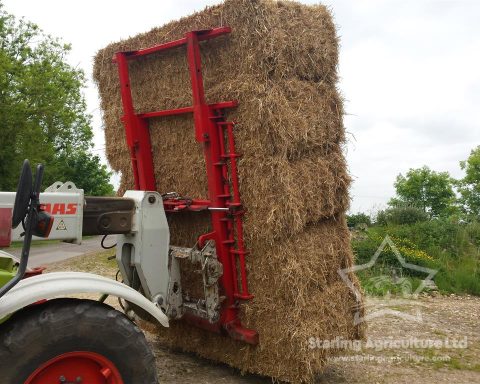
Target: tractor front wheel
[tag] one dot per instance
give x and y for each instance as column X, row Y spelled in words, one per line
column 74, row 341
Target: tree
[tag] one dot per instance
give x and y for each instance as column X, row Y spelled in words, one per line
column 401, row 215
column 426, row 189
column 359, row 218
column 42, row 110
column 86, row 171
column 469, row 186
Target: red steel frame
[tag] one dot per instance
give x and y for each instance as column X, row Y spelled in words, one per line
column 216, row 135
column 90, row 366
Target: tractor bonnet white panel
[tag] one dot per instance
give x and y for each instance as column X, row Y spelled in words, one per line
column 64, row 202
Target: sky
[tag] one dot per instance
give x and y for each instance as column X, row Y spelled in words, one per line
column 410, row 75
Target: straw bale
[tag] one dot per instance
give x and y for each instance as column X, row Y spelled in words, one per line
column 298, row 296
column 280, row 63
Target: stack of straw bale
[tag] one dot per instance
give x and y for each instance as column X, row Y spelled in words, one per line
column 280, row 62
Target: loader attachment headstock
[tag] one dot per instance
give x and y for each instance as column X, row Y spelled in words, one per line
column 216, row 135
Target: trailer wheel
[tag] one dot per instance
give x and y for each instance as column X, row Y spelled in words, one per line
column 74, row 341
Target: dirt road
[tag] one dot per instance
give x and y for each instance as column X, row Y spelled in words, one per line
column 431, row 340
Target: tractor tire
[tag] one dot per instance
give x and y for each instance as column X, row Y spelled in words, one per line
column 74, row 341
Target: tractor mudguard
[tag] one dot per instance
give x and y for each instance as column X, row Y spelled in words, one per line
column 59, row 284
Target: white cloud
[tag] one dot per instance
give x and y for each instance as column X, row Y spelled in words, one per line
column 410, row 75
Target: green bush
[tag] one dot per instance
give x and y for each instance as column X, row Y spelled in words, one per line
column 377, row 283
column 451, row 249
column 459, row 276
column 357, row 219
column 401, row 215
column 430, row 236
column 365, row 248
